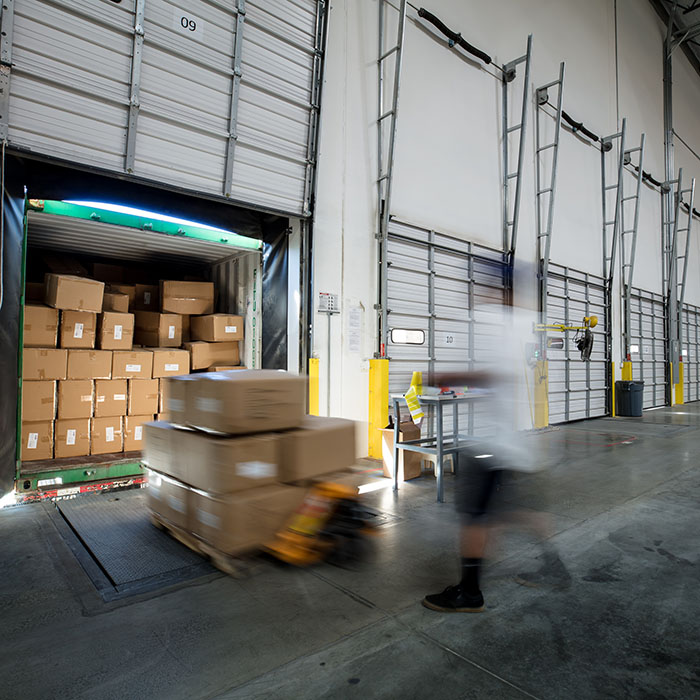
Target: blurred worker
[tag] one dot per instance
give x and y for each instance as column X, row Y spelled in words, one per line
column 502, row 447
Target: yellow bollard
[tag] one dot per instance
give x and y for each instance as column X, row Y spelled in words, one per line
column 378, row 405
column 313, row 386
column 541, row 394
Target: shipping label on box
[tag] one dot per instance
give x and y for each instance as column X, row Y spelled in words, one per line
column 170, row 363
column 37, row 441
column 78, row 329
column 137, row 364
column 217, row 327
column 143, row 397
column 147, row 297
column 75, row 398
column 89, row 364
column 110, row 397
column 205, row 355
column 115, row 331
column 38, row 401
column 72, row 438
column 40, row 327
column 106, row 435
column 74, row 293
column 191, row 298
column 44, row 363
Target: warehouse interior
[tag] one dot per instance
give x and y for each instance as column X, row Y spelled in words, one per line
column 326, row 211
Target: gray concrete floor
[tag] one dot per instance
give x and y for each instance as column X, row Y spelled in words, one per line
column 625, row 503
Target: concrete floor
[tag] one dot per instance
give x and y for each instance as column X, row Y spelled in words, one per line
column 625, row 500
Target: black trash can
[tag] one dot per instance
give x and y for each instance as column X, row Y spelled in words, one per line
column 629, row 397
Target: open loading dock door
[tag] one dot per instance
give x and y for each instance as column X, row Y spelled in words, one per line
column 436, row 286
column 577, row 389
column 648, row 343
column 90, row 233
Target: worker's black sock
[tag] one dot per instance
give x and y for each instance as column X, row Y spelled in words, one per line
column 471, row 568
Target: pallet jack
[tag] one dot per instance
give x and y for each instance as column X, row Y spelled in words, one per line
column 331, row 525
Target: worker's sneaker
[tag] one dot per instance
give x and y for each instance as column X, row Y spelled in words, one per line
column 455, row 599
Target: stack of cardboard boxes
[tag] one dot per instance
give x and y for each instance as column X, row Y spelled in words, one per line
column 236, row 461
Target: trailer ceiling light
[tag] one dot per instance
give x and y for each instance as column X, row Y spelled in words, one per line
column 482, row 456
column 121, row 209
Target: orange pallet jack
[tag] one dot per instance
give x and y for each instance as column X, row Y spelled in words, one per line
column 331, row 524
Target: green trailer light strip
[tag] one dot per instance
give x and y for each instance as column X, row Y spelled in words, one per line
column 77, row 474
column 79, row 211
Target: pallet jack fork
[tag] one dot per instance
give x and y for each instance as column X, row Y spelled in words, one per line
column 331, row 524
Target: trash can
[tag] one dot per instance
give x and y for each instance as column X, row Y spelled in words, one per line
column 629, row 397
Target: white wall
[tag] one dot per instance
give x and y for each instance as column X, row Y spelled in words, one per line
column 448, row 169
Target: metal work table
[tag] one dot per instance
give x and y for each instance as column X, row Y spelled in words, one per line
column 434, row 445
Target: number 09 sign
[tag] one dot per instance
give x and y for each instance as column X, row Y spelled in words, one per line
column 187, row 24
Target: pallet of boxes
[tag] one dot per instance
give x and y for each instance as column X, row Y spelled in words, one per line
column 236, row 459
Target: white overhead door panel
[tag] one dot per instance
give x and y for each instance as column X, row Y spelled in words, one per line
column 211, row 96
column 577, row 389
column 437, row 285
column 185, row 93
column 69, row 86
column 691, row 352
column 275, row 107
column 648, row 344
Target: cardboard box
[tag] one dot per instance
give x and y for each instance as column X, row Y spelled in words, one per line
column 108, row 273
column 252, row 401
column 174, row 392
column 37, row 441
column 168, row 498
column 44, row 363
column 137, row 364
column 89, row 364
column 106, row 435
column 186, row 328
column 205, row 355
column 72, row 438
column 319, row 446
column 217, row 327
column 113, row 301
column 78, row 329
column 110, row 397
column 75, row 398
column 159, row 452
column 64, row 265
column 144, row 397
column 34, row 292
column 38, row 401
column 115, row 331
column 409, row 462
column 147, row 297
column 225, row 368
column 170, row 363
column 244, row 521
column 40, row 327
column 128, row 289
column 227, row 465
column 157, row 330
column 133, row 431
column 74, row 293
column 191, row 298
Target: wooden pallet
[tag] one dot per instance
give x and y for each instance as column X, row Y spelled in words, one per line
column 238, row 567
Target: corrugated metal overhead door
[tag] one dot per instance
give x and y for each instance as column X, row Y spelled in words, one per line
column 436, row 284
column 217, row 99
column 577, row 389
column 648, row 345
column 691, row 352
